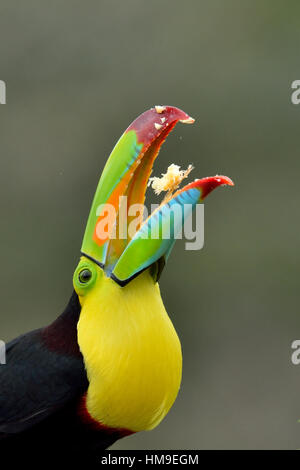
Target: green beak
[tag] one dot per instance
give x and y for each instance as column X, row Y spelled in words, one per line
column 108, row 240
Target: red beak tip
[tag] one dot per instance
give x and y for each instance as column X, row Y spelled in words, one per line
column 224, row 180
column 210, row 183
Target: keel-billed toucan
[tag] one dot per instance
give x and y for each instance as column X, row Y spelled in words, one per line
column 110, row 365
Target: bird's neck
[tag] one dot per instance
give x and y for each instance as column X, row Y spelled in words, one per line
column 61, row 335
column 132, row 354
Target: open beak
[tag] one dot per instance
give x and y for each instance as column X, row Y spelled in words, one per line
column 107, row 239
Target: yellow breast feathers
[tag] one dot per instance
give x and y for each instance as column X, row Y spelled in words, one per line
column 131, row 351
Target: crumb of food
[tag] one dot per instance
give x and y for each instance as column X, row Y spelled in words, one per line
column 157, row 126
column 160, row 109
column 169, row 181
column 189, row 120
column 163, row 119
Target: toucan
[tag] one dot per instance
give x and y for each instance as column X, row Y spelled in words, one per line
column 110, row 365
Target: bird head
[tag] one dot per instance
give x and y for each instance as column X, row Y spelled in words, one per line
column 117, row 243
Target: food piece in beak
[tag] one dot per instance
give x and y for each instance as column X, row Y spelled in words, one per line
column 170, row 180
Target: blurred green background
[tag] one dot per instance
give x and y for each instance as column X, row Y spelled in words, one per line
column 77, row 74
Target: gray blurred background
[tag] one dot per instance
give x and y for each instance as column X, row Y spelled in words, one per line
column 77, row 74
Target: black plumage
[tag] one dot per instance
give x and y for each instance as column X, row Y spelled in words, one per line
column 42, row 385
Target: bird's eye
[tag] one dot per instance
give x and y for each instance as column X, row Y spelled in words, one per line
column 85, row 276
